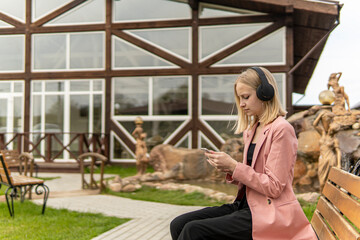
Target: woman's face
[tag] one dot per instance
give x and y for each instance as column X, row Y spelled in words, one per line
column 249, row 102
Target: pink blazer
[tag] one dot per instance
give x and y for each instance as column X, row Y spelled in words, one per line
column 276, row 213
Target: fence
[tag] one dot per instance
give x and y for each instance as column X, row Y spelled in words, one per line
column 53, row 146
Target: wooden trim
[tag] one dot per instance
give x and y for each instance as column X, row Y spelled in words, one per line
column 74, row 28
column 195, row 79
column 108, row 80
column 290, row 63
column 181, row 133
column 11, row 20
column 151, row 24
column 239, row 69
column 150, row 72
column 209, row 134
column 57, row 13
column 239, row 20
column 152, row 48
column 242, row 43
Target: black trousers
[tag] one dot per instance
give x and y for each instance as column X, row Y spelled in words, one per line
column 228, row 221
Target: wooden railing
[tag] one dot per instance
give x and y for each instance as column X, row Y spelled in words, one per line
column 51, row 146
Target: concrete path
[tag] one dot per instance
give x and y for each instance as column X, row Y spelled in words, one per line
column 150, row 221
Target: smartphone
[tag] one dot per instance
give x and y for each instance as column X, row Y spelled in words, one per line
column 205, row 149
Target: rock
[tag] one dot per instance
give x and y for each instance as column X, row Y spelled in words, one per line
column 308, row 145
column 115, row 186
column 178, row 163
column 129, row 188
column 305, row 180
column 311, row 197
column 299, row 169
column 349, row 142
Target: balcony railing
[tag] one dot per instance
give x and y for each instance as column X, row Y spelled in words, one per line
column 54, row 146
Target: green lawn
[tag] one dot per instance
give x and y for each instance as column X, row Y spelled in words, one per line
column 177, row 197
column 29, row 223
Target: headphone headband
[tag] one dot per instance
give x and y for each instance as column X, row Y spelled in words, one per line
column 265, row 91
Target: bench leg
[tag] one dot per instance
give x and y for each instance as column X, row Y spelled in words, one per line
column 45, row 190
column 12, row 195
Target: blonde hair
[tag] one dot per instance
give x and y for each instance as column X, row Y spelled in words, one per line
column 273, row 108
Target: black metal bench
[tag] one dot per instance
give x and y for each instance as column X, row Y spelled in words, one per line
column 19, row 185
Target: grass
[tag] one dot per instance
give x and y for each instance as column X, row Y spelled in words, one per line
column 308, row 208
column 121, row 171
column 177, row 197
column 29, row 223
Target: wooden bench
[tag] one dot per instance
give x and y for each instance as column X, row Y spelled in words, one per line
column 95, row 159
column 337, row 215
column 24, row 162
column 19, row 185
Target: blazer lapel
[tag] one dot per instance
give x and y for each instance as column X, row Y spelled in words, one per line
column 260, row 142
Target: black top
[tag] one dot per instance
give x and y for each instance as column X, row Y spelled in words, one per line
column 250, row 153
column 243, row 202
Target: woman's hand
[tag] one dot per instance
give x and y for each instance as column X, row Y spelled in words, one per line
column 221, row 161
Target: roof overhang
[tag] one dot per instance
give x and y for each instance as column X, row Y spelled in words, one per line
column 311, row 20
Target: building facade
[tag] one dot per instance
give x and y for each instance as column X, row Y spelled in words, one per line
column 74, row 74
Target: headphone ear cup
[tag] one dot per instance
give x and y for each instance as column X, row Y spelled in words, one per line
column 265, row 92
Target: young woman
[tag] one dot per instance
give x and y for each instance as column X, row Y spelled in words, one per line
column 266, row 206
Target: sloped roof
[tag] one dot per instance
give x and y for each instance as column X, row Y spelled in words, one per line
column 312, row 20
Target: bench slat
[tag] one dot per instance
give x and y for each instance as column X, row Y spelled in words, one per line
column 346, row 180
column 345, row 203
column 24, row 180
column 337, row 222
column 320, row 227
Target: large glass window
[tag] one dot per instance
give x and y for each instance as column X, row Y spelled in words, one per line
column 131, row 96
column 69, row 51
column 142, row 10
column 127, row 55
column 162, row 102
column 151, row 96
column 12, row 53
column 211, row 43
column 11, row 111
column 91, row 11
column 270, row 50
column 217, row 94
column 63, row 107
column 175, row 40
column 41, row 8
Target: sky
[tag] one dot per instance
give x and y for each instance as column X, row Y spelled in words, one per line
column 341, row 54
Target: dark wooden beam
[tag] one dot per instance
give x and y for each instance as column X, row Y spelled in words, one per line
column 194, row 4
column 75, row 28
column 195, row 79
column 209, row 134
column 239, row 69
column 151, row 24
column 184, row 130
column 151, row 48
column 11, row 20
column 108, row 79
column 239, row 20
column 242, row 43
column 27, row 77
